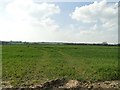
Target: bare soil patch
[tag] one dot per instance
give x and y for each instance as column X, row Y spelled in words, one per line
column 62, row 84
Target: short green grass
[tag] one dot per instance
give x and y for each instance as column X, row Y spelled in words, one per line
column 31, row 64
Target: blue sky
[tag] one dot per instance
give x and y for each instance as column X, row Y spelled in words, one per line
column 66, row 8
column 32, row 20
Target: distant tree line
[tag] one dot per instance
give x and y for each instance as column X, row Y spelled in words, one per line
column 97, row 44
column 58, row 43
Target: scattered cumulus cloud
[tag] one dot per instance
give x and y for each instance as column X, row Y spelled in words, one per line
column 100, row 20
column 27, row 20
column 23, row 9
column 94, row 13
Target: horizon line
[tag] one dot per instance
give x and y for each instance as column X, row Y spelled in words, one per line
column 58, row 42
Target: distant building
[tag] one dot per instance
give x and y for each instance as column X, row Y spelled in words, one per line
column 104, row 43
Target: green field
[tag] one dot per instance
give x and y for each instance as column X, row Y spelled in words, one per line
column 30, row 64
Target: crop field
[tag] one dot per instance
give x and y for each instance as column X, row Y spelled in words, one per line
column 31, row 64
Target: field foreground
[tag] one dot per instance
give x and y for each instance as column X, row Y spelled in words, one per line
column 62, row 84
column 26, row 65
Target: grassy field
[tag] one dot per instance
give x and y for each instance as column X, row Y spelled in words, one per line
column 31, row 64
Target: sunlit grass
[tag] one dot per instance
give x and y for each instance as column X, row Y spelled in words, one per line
column 30, row 64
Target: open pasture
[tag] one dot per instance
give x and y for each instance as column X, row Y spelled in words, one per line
column 31, row 64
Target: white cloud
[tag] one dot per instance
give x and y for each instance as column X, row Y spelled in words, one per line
column 23, row 9
column 100, row 21
column 93, row 13
column 27, row 20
